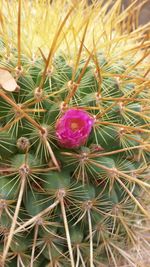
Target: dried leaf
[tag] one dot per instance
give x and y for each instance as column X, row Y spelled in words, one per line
column 7, row 81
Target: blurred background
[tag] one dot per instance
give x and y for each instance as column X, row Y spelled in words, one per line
column 145, row 11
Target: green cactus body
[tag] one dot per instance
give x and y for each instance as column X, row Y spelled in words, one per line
column 74, row 134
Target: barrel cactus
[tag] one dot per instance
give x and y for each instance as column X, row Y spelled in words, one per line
column 74, row 134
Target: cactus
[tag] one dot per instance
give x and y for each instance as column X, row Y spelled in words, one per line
column 74, row 134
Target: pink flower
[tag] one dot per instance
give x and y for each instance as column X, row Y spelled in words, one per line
column 73, row 128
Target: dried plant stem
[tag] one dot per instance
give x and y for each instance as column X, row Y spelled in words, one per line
column 93, row 155
column 14, row 222
column 34, row 244
column 81, row 258
column 125, row 126
column 91, row 238
column 144, row 211
column 75, row 86
column 79, row 52
column 78, row 257
column 19, row 34
column 52, row 154
column 67, row 231
column 120, row 150
column 124, row 175
column 11, row 217
column 36, row 217
column 53, row 46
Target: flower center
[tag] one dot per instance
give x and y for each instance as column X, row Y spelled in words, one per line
column 76, row 124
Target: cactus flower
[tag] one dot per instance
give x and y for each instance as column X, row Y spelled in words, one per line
column 73, row 128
